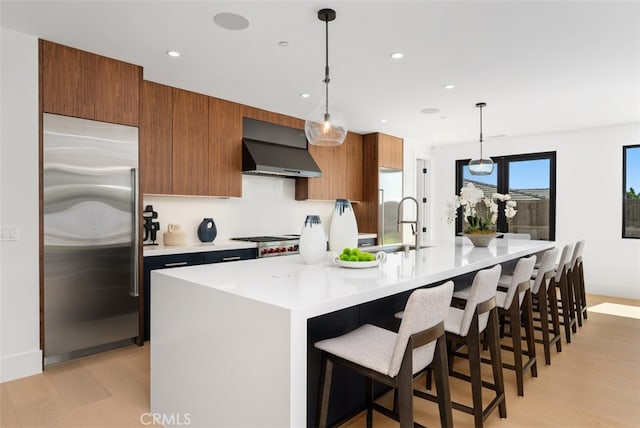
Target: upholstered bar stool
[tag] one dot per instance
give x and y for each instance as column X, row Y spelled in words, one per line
column 514, row 304
column 576, row 280
column 464, row 327
column 544, row 297
column 393, row 358
column 561, row 282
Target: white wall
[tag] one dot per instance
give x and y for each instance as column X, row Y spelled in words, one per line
column 267, row 206
column 20, row 353
column 589, row 197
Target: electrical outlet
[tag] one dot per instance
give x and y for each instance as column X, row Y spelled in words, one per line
column 9, row 233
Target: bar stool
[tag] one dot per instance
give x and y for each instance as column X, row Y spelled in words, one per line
column 561, row 282
column 576, row 280
column 463, row 327
column 545, row 300
column 517, row 284
column 393, row 358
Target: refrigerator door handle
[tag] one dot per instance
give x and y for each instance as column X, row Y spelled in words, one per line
column 381, row 224
column 135, row 290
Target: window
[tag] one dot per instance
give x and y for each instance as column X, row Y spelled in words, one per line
column 530, row 179
column 631, row 192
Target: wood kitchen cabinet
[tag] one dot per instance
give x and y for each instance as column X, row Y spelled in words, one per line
column 341, row 168
column 190, row 162
column 156, row 138
column 82, row 84
column 225, row 148
column 389, row 150
column 190, row 144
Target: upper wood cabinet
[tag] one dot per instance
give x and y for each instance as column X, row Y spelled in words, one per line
column 341, row 168
column 354, row 168
column 82, row 84
column 225, row 148
column 190, row 149
column 156, row 138
column 190, row 144
column 389, row 150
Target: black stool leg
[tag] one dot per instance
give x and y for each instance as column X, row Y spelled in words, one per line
column 442, row 383
column 326, row 372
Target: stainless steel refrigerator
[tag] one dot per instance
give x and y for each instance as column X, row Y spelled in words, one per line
column 90, row 206
column 390, row 194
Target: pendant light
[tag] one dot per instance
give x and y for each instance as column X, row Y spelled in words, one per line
column 325, row 127
column 481, row 166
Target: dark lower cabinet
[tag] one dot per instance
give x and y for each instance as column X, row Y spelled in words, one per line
column 185, row 259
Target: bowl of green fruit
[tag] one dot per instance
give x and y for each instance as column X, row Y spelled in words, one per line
column 356, row 259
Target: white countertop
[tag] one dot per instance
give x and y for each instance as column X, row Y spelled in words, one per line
column 311, row 290
column 195, row 247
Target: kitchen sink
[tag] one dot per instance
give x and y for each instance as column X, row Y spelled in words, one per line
column 390, row 248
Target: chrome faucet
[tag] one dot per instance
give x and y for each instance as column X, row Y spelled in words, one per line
column 416, row 227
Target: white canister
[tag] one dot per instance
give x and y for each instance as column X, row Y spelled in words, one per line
column 313, row 241
column 343, row 232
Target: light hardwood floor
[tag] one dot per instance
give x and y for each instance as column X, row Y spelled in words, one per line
column 595, row 381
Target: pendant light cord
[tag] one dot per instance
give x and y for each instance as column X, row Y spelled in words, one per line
column 481, row 133
column 326, row 65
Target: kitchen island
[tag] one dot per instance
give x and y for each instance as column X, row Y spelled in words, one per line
column 230, row 342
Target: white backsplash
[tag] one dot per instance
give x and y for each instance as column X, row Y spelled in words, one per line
column 267, row 206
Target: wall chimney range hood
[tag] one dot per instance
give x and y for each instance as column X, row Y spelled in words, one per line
column 270, row 149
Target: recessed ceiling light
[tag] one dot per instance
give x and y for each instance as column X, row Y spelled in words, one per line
column 449, row 86
column 174, row 54
column 429, row 110
column 436, row 138
column 305, row 95
column 231, row 21
column 397, row 55
column 283, row 44
column 383, row 120
column 443, row 117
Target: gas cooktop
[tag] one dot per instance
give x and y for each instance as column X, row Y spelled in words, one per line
column 268, row 238
column 273, row 245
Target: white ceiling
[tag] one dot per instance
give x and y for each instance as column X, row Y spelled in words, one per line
column 541, row 66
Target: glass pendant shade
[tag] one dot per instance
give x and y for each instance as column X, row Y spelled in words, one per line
column 481, row 166
column 325, row 129
column 325, row 126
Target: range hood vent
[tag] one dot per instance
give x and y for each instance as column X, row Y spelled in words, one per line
column 270, row 149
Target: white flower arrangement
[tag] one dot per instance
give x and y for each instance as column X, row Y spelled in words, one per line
column 469, row 197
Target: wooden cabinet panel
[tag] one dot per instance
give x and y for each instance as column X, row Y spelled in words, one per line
column 272, row 117
column 225, row 148
column 117, row 91
column 82, row 84
column 354, row 172
column 341, row 168
column 67, row 75
column 390, row 151
column 156, row 134
column 190, row 172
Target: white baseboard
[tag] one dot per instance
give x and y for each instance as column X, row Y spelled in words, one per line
column 627, row 291
column 20, row 365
